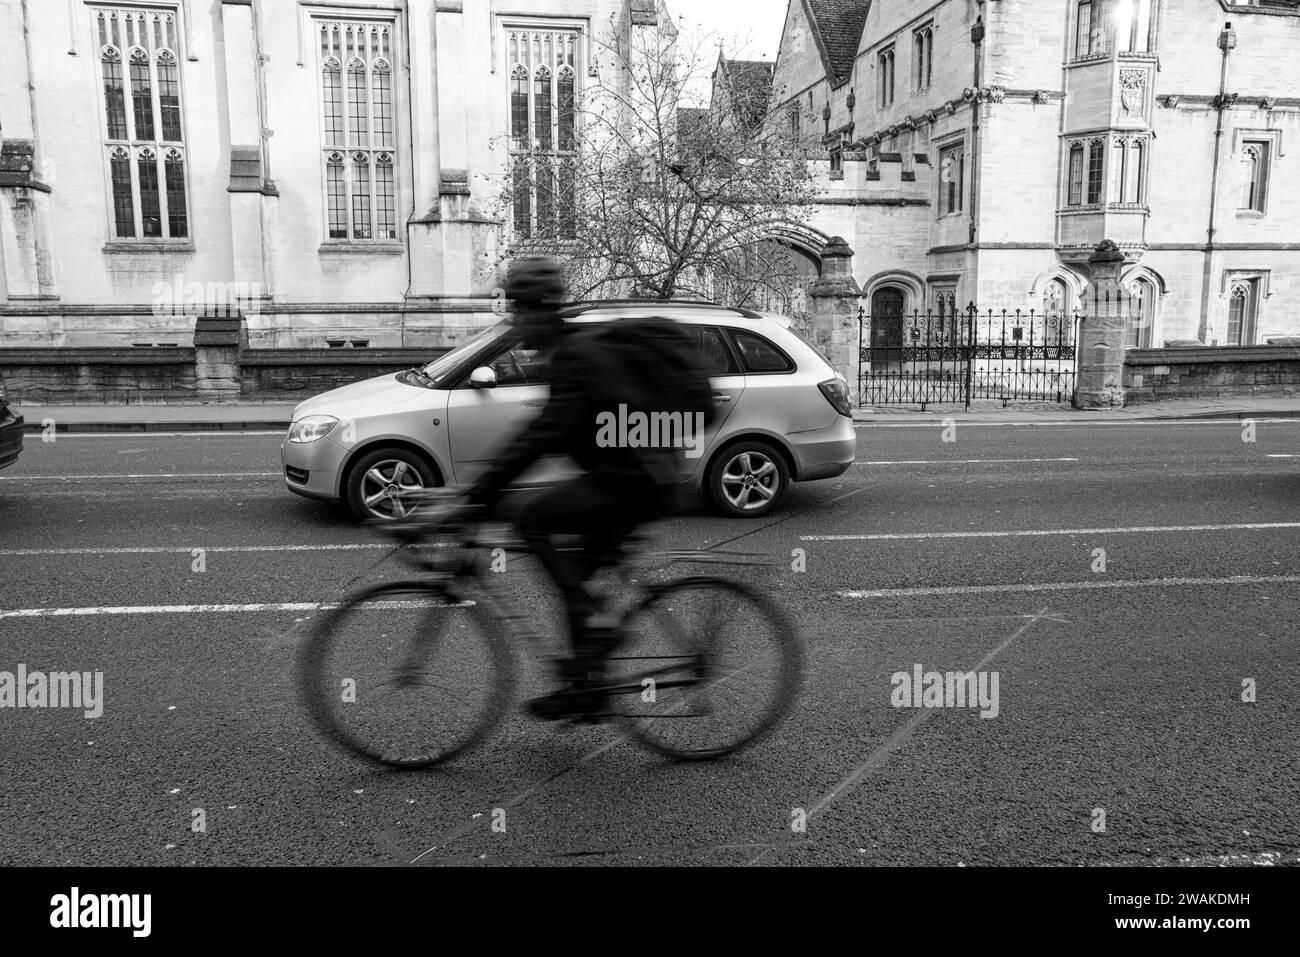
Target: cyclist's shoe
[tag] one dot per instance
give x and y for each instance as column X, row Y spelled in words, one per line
column 570, row 702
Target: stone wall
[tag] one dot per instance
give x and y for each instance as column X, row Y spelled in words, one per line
column 1198, row 372
column 159, row 376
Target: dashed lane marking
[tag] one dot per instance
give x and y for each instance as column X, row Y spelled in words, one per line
column 1069, row 586
column 1038, row 532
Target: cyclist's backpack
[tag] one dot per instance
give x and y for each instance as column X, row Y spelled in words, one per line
column 663, row 370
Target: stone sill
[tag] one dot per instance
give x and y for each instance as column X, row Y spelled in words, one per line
column 1195, row 355
column 163, row 246
column 362, row 249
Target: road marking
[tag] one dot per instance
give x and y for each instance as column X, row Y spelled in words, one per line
column 901, row 735
column 1068, row 586
column 141, row 475
column 1275, row 455
column 962, row 461
column 187, row 549
column 159, row 435
column 211, row 609
column 1030, row 533
column 938, row 423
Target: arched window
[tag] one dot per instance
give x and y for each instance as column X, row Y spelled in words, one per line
column 356, row 102
column 1118, row 154
column 1134, row 181
column 1133, row 18
column 1083, row 33
column 358, row 110
column 566, row 108
column 1096, row 154
column 542, row 108
column 1241, row 313
column 361, row 195
column 382, row 104
column 923, row 57
column 1250, row 178
column 1140, row 314
column 519, row 108
column 150, row 201
column 169, row 97
column 141, row 95
column 1075, row 196
column 332, row 101
column 114, row 93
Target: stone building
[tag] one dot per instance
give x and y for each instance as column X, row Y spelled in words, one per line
column 980, row 149
column 323, row 166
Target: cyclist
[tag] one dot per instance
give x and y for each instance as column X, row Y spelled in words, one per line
column 623, row 487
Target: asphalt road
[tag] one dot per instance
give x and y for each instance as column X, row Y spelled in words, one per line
column 1120, row 690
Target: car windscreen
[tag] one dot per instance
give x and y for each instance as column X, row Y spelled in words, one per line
column 440, row 368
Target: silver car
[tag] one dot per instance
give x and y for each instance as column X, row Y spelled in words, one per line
column 783, row 416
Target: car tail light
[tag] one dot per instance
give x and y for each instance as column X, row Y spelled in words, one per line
column 837, row 394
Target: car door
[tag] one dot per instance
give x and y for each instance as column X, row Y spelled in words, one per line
column 481, row 421
column 727, row 379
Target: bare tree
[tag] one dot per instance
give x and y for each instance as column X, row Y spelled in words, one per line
column 645, row 195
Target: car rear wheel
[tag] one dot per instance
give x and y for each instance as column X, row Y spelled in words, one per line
column 379, row 479
column 748, row 479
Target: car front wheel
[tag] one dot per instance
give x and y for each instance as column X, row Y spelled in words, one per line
column 379, row 480
column 748, row 479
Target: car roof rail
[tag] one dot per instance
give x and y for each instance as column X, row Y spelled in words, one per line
column 574, row 309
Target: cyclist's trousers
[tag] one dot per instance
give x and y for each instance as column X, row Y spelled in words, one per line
column 602, row 521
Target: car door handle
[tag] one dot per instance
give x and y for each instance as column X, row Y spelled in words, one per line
column 532, row 405
column 719, row 397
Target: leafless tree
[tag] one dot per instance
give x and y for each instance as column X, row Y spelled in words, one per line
column 651, row 197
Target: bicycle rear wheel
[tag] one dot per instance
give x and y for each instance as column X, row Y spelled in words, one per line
column 706, row 667
column 406, row 674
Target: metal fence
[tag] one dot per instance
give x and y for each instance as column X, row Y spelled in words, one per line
column 952, row 357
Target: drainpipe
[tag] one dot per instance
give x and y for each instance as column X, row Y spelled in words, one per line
column 1227, row 41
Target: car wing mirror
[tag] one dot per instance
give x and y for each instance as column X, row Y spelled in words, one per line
column 483, row 378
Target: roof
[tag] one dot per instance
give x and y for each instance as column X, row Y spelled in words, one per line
column 838, row 26
column 751, row 87
column 622, row 308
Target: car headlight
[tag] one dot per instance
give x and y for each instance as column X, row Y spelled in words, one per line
column 312, row 427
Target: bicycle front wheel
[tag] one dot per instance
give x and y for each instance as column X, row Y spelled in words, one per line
column 706, row 667
column 406, row 674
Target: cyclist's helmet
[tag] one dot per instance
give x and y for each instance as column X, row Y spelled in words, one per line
column 535, row 281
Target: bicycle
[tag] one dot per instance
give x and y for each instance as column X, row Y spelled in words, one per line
column 671, row 685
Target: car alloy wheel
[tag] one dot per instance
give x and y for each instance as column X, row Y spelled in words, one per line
column 750, row 480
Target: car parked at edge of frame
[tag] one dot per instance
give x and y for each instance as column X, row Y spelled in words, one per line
column 783, row 416
column 11, row 429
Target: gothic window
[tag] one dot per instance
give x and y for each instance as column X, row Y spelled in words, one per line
column 358, row 119
column 144, row 142
column 543, row 90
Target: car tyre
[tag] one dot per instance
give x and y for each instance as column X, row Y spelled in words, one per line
column 747, row 479
column 377, row 480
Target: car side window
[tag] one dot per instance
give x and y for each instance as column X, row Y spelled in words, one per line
column 759, row 354
column 713, row 350
column 519, row 366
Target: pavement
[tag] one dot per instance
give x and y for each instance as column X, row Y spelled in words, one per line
column 1125, row 580
column 244, row 416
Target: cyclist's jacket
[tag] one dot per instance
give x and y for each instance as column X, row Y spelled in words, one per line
column 599, row 377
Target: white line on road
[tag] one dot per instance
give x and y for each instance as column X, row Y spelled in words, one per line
column 141, row 475
column 1030, row 533
column 187, row 549
column 1069, row 586
column 1275, row 455
column 962, row 461
column 61, row 436
column 211, row 609
column 938, row 423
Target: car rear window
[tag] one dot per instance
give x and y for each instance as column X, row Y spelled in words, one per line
column 759, row 355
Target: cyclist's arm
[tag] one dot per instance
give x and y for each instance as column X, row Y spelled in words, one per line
column 554, row 431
